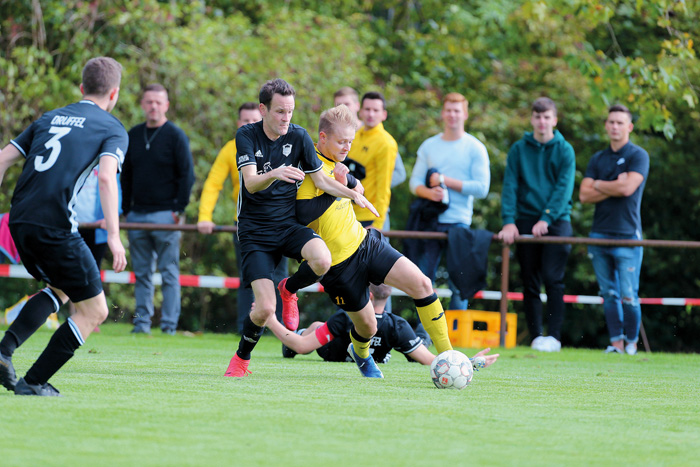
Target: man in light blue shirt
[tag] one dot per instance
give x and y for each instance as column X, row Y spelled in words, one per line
column 462, row 173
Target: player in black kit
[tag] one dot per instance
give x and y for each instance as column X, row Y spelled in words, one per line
column 273, row 157
column 60, row 149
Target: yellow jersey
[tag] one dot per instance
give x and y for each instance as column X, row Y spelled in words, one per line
column 375, row 149
column 224, row 165
column 337, row 225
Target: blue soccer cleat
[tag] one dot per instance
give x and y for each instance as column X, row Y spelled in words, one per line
column 367, row 366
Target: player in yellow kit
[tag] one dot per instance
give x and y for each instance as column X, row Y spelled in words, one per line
column 359, row 256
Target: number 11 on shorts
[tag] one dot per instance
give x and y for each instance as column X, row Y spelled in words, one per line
column 339, row 300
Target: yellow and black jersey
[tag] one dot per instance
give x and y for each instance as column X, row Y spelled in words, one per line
column 332, row 218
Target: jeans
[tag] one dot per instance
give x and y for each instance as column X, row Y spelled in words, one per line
column 430, row 259
column 149, row 248
column 617, row 271
column 245, row 294
column 543, row 263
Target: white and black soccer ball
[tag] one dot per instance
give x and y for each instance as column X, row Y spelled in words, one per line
column 451, row 370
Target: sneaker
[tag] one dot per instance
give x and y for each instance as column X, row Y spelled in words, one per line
column 238, row 368
column 538, row 343
column 8, row 378
column 137, row 330
column 367, row 366
column 287, row 352
column 551, row 344
column 612, row 349
column 24, row 389
column 290, row 309
column 631, row 349
column 168, row 331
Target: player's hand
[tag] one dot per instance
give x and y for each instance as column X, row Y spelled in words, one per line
column 359, row 188
column 287, row 173
column 205, row 227
column 436, row 193
column 361, row 201
column 508, row 234
column 490, row 359
column 118, row 253
column 340, row 172
column 540, row 229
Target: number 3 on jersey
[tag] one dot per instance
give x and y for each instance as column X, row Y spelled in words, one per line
column 40, row 163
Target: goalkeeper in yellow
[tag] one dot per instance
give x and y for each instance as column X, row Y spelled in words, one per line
column 359, row 256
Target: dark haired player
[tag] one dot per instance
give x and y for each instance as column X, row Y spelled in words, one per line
column 273, row 157
column 60, row 149
column 360, row 256
column 331, row 339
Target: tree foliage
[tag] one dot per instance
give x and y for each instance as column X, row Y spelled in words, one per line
column 213, row 55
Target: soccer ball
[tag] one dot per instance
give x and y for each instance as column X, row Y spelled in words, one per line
column 451, row 370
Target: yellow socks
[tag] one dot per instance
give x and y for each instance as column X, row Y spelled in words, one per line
column 360, row 344
column 433, row 318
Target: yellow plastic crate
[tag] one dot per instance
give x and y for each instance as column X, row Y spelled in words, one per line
column 460, row 327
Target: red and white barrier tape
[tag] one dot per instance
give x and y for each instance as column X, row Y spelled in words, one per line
column 217, row 282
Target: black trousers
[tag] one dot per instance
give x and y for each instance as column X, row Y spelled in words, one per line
column 543, row 263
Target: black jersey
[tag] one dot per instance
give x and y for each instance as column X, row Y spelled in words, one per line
column 274, row 205
column 393, row 332
column 60, row 149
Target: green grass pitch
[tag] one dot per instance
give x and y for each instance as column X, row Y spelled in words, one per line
column 138, row 401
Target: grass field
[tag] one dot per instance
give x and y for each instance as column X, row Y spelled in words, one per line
column 132, row 400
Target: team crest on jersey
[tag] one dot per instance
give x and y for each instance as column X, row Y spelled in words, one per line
column 287, row 149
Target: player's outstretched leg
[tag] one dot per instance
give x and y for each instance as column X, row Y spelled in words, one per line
column 253, row 327
column 90, row 313
column 406, row 276
column 290, row 308
column 32, row 317
column 364, row 324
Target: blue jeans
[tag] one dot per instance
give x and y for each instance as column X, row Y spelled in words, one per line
column 617, row 270
column 149, row 248
column 430, row 259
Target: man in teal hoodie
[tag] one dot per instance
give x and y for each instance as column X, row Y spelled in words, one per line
column 536, row 200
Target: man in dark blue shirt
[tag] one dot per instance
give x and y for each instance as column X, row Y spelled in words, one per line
column 156, row 184
column 614, row 181
column 274, row 155
column 61, row 149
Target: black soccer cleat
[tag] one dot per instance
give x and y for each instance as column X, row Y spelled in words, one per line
column 8, row 378
column 46, row 389
column 287, row 352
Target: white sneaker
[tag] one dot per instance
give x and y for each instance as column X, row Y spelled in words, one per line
column 631, row 349
column 612, row 349
column 551, row 345
column 538, row 343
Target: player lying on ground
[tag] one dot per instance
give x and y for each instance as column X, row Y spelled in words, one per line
column 359, row 256
column 331, row 339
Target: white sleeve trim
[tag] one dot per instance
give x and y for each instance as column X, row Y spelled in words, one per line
column 12, row 142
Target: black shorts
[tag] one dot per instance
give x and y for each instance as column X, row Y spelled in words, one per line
column 347, row 283
column 261, row 251
column 60, row 258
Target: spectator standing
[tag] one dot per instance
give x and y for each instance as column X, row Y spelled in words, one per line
column 372, row 158
column 536, row 199
column 614, row 181
column 60, row 149
column 465, row 159
column 225, row 165
column 156, row 183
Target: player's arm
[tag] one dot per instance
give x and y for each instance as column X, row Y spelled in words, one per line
column 8, row 156
column 422, row 355
column 300, row 344
column 334, row 188
column 255, row 182
column 109, row 199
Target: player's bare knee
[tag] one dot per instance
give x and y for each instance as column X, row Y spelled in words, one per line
column 321, row 264
column 421, row 288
